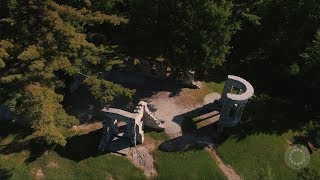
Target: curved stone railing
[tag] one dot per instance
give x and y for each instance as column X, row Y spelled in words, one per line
column 232, row 104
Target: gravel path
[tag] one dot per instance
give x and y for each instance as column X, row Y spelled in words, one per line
column 168, row 110
column 226, row 169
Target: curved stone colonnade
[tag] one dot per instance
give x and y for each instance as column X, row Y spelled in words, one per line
column 236, row 94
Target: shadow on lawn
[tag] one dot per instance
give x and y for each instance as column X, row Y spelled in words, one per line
column 17, row 144
column 81, row 147
column 11, row 129
column 33, row 146
column 5, row 173
column 267, row 116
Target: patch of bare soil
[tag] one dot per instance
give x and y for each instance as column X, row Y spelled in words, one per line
column 151, row 144
column 141, row 158
column 87, row 127
column 225, row 168
column 38, row 174
column 52, row 164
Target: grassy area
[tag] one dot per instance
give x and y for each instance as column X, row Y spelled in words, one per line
column 215, row 86
column 53, row 166
column 79, row 160
column 196, row 164
column 158, row 136
column 187, row 165
column 254, row 155
column 256, row 147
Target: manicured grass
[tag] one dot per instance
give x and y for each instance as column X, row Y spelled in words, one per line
column 251, row 156
column 159, row 136
column 197, row 164
column 78, row 160
column 54, row 166
column 256, row 147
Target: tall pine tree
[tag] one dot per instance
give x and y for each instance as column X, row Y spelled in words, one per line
column 43, row 43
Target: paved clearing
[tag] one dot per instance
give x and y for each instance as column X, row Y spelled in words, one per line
column 169, row 108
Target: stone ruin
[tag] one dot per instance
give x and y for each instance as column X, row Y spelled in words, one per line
column 236, row 94
column 135, row 123
column 159, row 70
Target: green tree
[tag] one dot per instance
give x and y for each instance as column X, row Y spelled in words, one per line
column 48, row 44
column 200, row 32
column 190, row 34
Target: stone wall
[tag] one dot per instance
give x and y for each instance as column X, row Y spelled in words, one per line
column 160, row 70
column 135, row 122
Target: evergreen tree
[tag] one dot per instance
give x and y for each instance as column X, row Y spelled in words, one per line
column 49, row 43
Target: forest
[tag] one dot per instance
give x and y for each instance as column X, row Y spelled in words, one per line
column 45, row 44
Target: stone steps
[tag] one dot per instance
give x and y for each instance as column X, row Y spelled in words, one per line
column 206, row 119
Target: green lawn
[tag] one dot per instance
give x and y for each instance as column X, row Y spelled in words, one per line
column 254, row 155
column 54, row 166
column 78, row 160
column 197, row 164
column 256, row 147
column 63, row 163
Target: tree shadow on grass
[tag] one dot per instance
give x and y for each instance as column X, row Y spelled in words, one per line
column 11, row 129
column 86, row 146
column 81, row 147
column 269, row 116
column 33, row 146
column 18, row 144
column 5, row 173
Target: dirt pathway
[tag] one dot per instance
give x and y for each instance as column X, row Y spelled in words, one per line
column 226, row 169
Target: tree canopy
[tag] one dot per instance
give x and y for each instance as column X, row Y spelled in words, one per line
column 44, row 44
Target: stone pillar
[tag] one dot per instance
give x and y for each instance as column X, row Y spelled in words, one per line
column 110, row 129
